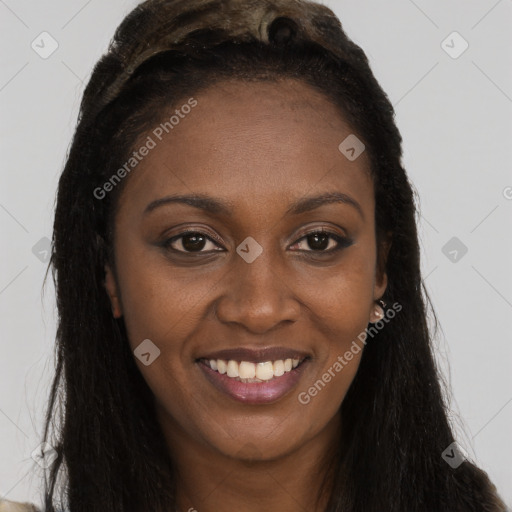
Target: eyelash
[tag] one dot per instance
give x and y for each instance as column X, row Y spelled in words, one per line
column 343, row 242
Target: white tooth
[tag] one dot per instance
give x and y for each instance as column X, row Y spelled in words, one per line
column 221, row 366
column 295, row 363
column 213, row 364
column 250, row 381
column 232, row 369
column 247, row 370
column 278, row 368
column 264, row 371
column 288, row 365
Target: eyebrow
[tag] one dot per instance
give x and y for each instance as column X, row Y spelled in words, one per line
column 220, row 207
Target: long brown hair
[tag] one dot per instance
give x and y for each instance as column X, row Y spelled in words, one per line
column 100, row 420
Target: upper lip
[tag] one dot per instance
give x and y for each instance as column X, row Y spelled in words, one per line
column 257, row 355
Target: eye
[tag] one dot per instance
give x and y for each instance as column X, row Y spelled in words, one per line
column 320, row 241
column 190, row 242
column 324, row 241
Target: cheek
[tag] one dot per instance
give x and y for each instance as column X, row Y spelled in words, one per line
column 342, row 298
column 159, row 302
column 342, row 304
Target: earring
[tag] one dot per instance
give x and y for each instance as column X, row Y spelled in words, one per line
column 378, row 312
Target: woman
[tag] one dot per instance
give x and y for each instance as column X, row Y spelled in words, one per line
column 242, row 320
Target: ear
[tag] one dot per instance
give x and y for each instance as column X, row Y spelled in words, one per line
column 381, row 277
column 112, row 291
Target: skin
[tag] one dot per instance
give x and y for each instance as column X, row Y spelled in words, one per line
column 260, row 147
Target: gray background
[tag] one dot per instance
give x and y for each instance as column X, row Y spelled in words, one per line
column 454, row 115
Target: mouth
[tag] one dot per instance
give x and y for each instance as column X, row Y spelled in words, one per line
column 249, row 372
column 254, row 381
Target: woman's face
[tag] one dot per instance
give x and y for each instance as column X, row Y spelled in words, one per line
column 252, row 278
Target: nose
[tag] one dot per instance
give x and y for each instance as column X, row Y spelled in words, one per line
column 258, row 296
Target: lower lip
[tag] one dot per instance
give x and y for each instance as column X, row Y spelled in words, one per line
column 254, row 392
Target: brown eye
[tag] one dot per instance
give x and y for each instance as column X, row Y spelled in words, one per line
column 190, row 241
column 324, row 241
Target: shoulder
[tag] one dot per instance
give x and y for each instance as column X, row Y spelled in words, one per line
column 15, row 506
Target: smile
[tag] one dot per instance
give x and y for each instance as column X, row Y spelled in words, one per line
column 254, row 382
column 249, row 372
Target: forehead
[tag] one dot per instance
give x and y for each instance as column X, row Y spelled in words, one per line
column 251, row 143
